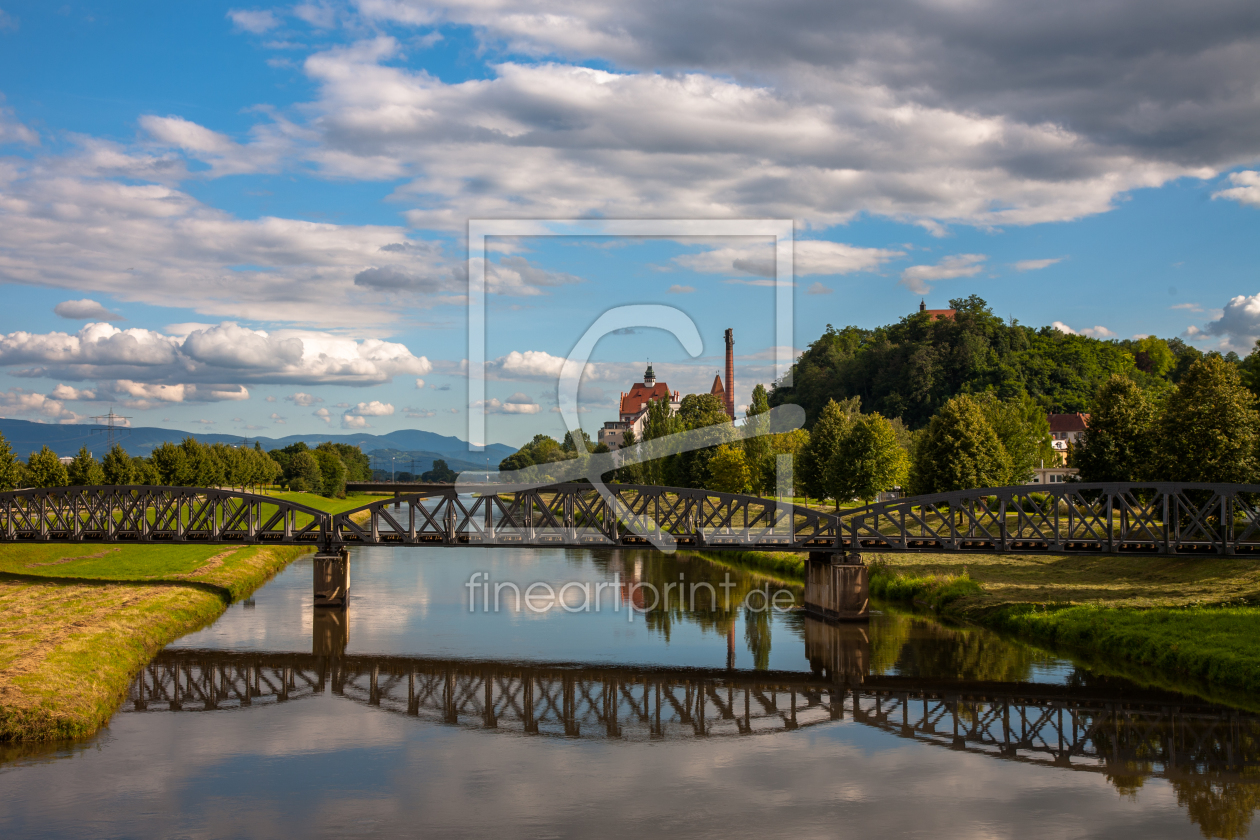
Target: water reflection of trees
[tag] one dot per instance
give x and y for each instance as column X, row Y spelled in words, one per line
column 932, row 650
column 1220, row 807
column 712, row 609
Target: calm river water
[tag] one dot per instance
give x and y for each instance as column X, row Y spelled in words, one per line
column 410, row 715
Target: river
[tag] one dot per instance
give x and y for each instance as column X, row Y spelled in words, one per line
column 410, row 714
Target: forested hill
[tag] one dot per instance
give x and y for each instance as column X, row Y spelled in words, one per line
column 910, row 369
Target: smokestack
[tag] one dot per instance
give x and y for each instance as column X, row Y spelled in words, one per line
column 730, row 374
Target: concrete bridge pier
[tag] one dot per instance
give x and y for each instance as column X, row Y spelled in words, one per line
column 332, row 578
column 837, row 586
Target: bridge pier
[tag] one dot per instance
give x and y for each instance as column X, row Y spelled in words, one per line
column 332, row 578
column 837, row 586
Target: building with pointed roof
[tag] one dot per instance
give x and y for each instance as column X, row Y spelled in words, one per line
column 633, row 409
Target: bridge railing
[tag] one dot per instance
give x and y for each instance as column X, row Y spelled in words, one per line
column 579, row 514
column 1073, row 518
column 149, row 514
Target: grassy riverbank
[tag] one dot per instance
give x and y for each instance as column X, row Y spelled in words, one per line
column 77, row 622
column 1188, row 621
column 74, row 631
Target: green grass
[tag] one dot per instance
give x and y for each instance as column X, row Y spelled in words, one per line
column 1214, row 645
column 350, row 502
column 936, row 591
column 73, row 635
column 115, row 562
column 1190, row 624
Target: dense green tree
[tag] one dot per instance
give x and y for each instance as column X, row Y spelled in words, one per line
column 170, row 462
column 728, row 470
column 824, row 439
column 332, row 471
column 629, row 473
column 9, row 464
column 84, row 471
column 868, row 461
column 703, row 416
column 440, row 472
column 304, row 474
column 284, row 456
column 1249, row 370
column 358, row 465
column 1152, row 355
column 959, row 451
column 1022, row 427
column 117, row 467
column 1117, row 444
column 756, row 442
column 1185, row 356
column 568, row 446
column 144, row 471
column 656, row 466
column 910, row 369
column 44, row 469
column 1209, row 430
column 200, row 467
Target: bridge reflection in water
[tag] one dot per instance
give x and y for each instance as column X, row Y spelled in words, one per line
column 1119, row 731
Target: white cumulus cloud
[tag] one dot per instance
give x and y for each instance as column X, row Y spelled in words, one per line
column 1035, row 265
column 518, row 403
column 917, row 277
column 255, row 21
column 225, row 352
column 85, row 310
column 375, row 408
column 35, row 406
column 1246, row 189
column 1239, row 324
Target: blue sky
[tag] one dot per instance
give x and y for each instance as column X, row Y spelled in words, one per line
column 251, row 219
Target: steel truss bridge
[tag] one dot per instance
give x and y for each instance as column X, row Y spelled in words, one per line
column 561, row 515
column 1098, row 730
column 1159, row 518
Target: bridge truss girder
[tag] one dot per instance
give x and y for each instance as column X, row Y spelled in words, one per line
column 147, row 514
column 1072, row 518
column 579, row 515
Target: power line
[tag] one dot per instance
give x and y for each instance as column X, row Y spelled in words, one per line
column 111, row 428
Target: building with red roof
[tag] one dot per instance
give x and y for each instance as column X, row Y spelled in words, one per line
column 634, row 408
column 934, row 314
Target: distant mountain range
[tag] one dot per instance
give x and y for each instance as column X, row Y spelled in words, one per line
column 404, row 444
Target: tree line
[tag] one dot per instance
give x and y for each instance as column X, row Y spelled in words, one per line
column 911, row 369
column 1206, row 429
column 190, row 463
column 847, row 455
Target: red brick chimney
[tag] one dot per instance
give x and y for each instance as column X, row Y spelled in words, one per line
column 730, row 374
